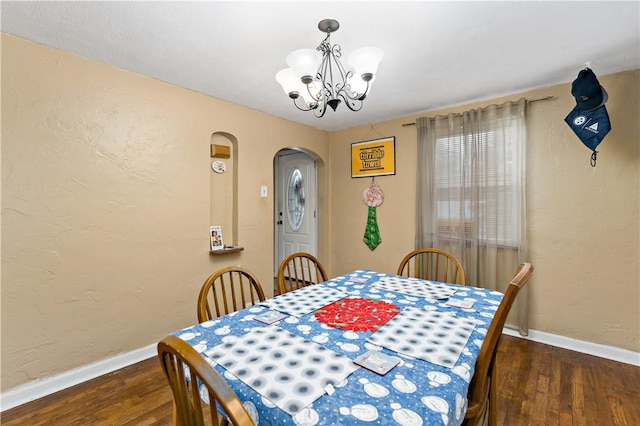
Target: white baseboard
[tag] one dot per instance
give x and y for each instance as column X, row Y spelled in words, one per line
column 39, row 388
column 596, row 349
column 43, row 387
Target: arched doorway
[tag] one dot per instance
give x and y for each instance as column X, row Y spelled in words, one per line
column 295, row 204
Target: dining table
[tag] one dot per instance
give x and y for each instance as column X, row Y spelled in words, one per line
column 363, row 348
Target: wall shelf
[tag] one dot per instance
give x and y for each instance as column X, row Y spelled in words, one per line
column 227, row 250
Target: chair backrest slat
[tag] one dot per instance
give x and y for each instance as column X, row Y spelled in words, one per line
column 235, row 288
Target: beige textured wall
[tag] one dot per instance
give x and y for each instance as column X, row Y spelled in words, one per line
column 584, row 223
column 106, row 206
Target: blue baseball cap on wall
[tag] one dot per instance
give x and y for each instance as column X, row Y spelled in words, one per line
column 588, row 92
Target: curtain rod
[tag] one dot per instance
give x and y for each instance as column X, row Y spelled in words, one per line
column 546, row 98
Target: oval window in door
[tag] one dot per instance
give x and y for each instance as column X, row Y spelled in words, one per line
column 295, row 199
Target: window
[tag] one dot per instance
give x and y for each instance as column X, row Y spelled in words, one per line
column 295, row 199
column 477, row 186
column 471, row 190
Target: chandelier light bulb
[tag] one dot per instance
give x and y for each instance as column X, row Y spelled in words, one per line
column 358, row 85
column 366, row 60
column 305, row 63
column 290, row 82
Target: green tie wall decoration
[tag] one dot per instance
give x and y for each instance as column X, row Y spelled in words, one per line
column 372, row 197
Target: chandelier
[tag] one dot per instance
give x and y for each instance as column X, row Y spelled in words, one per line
column 316, row 77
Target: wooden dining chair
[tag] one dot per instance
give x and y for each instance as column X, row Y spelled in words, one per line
column 483, row 387
column 432, row 264
column 184, row 367
column 299, row 270
column 228, row 290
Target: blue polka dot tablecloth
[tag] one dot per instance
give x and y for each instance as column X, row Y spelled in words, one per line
column 414, row 393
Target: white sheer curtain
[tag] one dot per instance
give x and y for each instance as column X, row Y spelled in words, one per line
column 471, row 194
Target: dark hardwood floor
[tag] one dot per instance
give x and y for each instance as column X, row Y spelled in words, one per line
column 539, row 385
column 136, row 395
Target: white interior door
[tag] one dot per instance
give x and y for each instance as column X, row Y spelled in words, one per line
column 296, row 199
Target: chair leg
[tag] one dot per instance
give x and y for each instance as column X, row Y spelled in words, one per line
column 175, row 415
column 493, row 396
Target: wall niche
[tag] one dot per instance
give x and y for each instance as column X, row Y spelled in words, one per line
column 223, row 184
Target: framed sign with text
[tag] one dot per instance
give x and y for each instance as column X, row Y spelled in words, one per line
column 373, row 158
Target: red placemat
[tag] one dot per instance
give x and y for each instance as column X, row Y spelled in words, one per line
column 357, row 314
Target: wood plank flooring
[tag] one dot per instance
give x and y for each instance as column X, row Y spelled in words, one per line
column 539, row 385
column 136, row 395
column 545, row 385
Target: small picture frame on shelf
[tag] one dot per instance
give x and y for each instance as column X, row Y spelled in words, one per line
column 216, row 238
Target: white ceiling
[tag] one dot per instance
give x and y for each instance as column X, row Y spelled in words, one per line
column 437, row 54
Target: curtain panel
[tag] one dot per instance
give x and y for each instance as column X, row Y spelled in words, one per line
column 471, row 194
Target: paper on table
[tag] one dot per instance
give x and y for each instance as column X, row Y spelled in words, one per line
column 377, row 362
column 416, row 287
column 304, row 300
column 270, row 317
column 460, row 303
column 286, row 369
column 436, row 337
